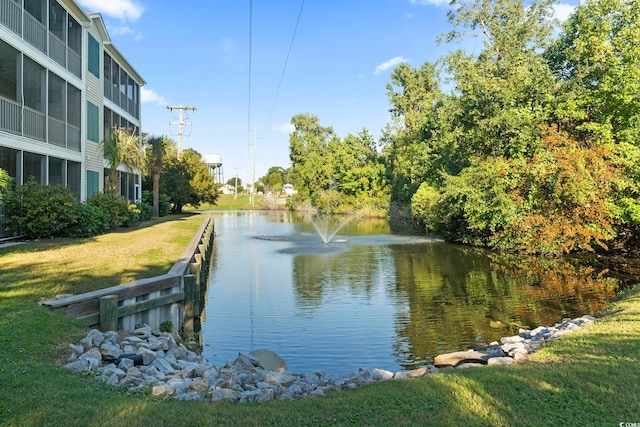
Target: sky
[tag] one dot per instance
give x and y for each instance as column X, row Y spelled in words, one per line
column 250, row 66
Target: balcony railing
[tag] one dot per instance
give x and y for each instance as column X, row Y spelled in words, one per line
column 11, row 16
column 56, row 132
column 73, row 137
column 57, row 50
column 34, row 124
column 10, row 116
column 74, row 63
column 35, row 33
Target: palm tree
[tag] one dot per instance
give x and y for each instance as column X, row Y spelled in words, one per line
column 122, row 147
column 155, row 155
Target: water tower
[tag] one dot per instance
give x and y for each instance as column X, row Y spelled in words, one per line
column 214, row 161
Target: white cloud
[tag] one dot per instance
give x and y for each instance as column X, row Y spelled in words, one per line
column 124, row 10
column 148, row 95
column 120, row 31
column 285, row 128
column 562, row 11
column 431, row 2
column 389, row 64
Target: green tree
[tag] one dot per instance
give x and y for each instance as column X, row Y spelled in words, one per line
column 155, row 153
column 186, row 180
column 310, row 167
column 122, row 148
column 597, row 62
column 275, row 182
column 410, row 143
column 236, row 183
column 507, row 91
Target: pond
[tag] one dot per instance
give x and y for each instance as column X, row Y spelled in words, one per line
column 371, row 298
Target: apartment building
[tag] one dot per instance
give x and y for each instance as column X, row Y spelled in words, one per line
column 63, row 87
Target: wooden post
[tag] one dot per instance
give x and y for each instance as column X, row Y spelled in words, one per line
column 196, row 298
column 195, row 270
column 189, row 309
column 109, row 313
column 200, row 261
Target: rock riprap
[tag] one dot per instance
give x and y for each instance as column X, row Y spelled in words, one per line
column 510, row 349
column 155, row 362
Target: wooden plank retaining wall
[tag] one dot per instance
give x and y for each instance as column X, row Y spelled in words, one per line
column 176, row 296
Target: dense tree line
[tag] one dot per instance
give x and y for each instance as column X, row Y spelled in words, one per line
column 533, row 147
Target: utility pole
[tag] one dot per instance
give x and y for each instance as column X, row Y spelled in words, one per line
column 235, row 193
column 181, row 123
column 253, row 183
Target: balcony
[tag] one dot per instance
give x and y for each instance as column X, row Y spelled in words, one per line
column 11, row 16
column 10, row 116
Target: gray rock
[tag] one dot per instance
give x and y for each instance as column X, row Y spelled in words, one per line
column 381, row 374
column 148, row 356
column 459, row 357
column 163, row 391
column 96, row 337
column 269, row 360
column 470, row 365
column 189, row 396
column 79, row 366
column 125, row 364
column 225, row 394
column 511, row 340
column 110, row 351
column 77, row 349
column 500, row 361
column 400, row 375
column 257, row 396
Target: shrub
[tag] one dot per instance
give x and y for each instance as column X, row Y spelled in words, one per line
column 164, row 202
column 5, row 184
column 41, row 211
column 133, row 215
column 146, row 211
column 115, row 206
column 87, row 221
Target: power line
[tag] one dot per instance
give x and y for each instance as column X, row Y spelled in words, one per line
column 295, row 30
column 250, row 46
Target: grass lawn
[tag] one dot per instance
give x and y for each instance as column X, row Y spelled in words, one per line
column 229, row 202
column 591, row 377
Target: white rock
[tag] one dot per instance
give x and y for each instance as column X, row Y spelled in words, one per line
column 381, row 374
column 500, row 361
column 511, row 340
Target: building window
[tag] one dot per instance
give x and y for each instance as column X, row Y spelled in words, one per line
column 9, row 58
column 35, row 166
column 93, row 182
column 74, row 103
column 34, row 85
column 74, row 171
column 94, row 56
column 57, row 110
column 93, row 126
column 35, row 99
column 106, row 72
column 56, row 171
column 10, row 162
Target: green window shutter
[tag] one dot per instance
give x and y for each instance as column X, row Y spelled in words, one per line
column 93, row 183
column 94, row 57
column 93, row 116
